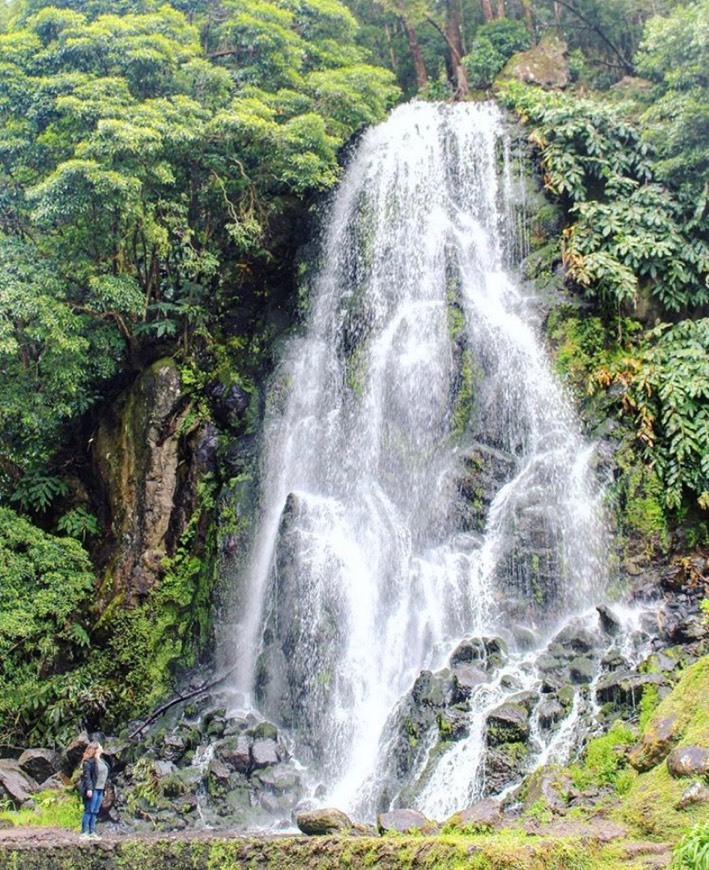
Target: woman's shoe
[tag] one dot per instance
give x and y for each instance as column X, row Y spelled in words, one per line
column 84, row 836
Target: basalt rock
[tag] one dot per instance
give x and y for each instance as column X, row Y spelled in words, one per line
column 404, row 821
column 15, row 784
column 549, row 786
column 508, row 723
column 324, row 822
column 39, row 764
column 546, row 65
column 657, row 740
column 688, row 761
column 484, row 815
column 696, row 793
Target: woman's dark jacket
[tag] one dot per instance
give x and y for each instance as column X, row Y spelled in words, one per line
column 89, row 772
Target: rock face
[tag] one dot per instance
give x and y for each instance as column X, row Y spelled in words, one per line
column 322, row 822
column 139, row 455
column 546, row 65
column 688, row 761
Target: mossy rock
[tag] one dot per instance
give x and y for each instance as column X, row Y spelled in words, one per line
column 651, row 802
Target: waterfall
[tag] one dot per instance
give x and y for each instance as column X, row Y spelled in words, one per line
column 423, row 477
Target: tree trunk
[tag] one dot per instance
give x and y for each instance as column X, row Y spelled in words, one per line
column 416, row 56
column 487, row 10
column 455, row 43
column 500, row 8
column 528, row 18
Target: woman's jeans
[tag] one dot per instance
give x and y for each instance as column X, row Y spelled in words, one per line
column 91, row 807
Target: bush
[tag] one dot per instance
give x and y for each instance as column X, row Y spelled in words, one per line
column 45, row 586
column 493, row 46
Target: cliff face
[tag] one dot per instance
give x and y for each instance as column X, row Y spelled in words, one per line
column 147, row 459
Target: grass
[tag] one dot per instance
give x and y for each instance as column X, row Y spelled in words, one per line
column 54, row 809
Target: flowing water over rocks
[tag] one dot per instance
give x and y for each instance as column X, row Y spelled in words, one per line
column 430, row 519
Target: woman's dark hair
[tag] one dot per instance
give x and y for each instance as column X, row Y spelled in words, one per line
column 91, row 750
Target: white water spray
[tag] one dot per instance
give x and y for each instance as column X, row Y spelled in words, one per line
column 420, row 362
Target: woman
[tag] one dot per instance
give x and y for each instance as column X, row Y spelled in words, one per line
column 92, row 785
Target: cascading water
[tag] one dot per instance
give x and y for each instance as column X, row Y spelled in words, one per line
column 420, row 374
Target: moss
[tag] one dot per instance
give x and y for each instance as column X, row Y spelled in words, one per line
column 54, row 809
column 604, row 762
column 650, row 803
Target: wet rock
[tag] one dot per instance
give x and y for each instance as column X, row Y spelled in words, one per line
column 576, row 638
column 526, row 699
column 697, row 793
column 173, row 747
column 582, row 671
column 228, row 404
column 525, row 639
column 323, row 822
column 219, row 772
column 402, row 821
column 264, row 753
column 235, row 751
column 453, row 724
column 281, row 779
column 15, row 784
column 489, row 652
column 484, row 815
column 503, row 766
column 610, row 623
column 508, row 723
column 549, row 786
column 549, row 712
column 657, row 740
column 465, row 679
column 57, row 781
column 625, row 688
column 688, row 761
column 39, row 764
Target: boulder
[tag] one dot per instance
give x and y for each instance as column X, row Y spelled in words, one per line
column 625, row 688
column 575, row 638
column 264, row 753
column 549, row 786
column 503, row 766
column 582, row 671
column 40, row 764
column 15, row 784
column 71, row 756
column 465, row 679
column 610, row 623
column 549, row 712
column 322, row 822
column 403, row 821
column 484, row 815
column 508, row 723
column 487, row 651
column 546, row 64
column 688, row 761
column 235, row 751
column 696, row 793
column 657, row 740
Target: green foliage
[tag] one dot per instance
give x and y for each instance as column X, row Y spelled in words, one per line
column 692, row 851
column 493, row 46
column 78, row 523
column 143, row 166
column 45, row 590
column 666, row 389
column 53, row 809
column 626, row 231
column 674, row 54
column 604, row 761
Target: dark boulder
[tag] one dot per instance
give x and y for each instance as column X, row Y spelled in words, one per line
column 610, row 624
column 39, row 764
column 508, row 723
